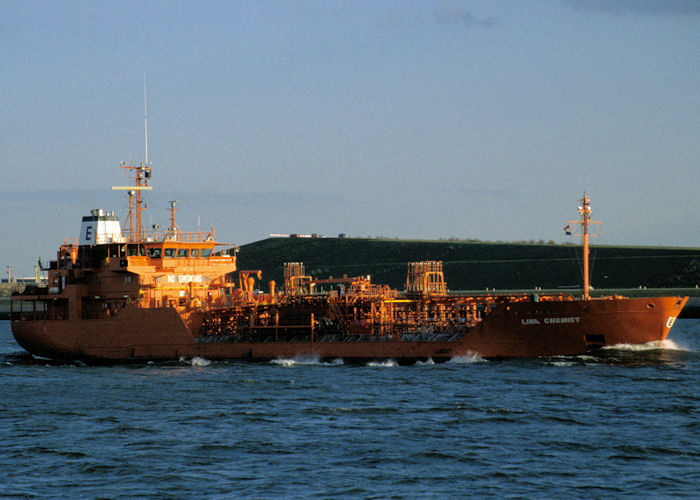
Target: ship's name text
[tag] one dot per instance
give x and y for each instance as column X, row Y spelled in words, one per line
column 550, row 321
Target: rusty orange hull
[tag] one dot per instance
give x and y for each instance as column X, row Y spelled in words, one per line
column 529, row 329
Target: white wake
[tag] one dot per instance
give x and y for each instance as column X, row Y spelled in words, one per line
column 667, row 344
column 305, row 361
column 470, row 357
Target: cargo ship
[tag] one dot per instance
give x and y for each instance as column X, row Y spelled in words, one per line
column 117, row 296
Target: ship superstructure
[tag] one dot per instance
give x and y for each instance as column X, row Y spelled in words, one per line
column 106, row 271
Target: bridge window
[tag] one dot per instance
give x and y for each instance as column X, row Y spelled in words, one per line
column 206, row 252
column 182, row 253
column 154, row 253
column 169, row 253
column 194, row 253
column 135, row 250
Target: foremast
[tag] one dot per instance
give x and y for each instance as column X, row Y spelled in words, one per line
column 585, row 210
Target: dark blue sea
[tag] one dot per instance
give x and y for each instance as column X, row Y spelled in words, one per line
column 625, row 423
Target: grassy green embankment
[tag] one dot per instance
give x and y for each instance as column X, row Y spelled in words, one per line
column 478, row 265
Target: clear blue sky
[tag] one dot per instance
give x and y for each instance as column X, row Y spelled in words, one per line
column 411, row 119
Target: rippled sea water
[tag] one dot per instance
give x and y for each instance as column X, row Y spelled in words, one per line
column 625, row 423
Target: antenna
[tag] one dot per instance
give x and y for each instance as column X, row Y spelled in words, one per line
column 145, row 116
column 141, row 174
column 173, row 227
